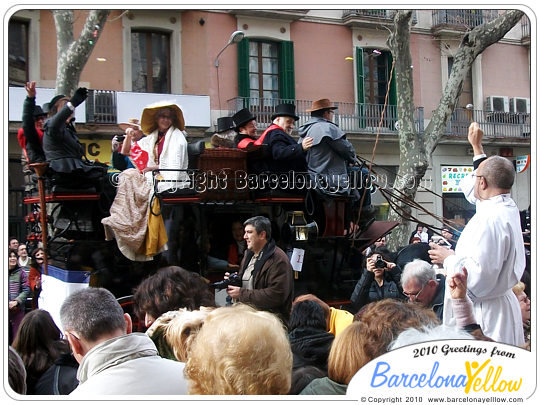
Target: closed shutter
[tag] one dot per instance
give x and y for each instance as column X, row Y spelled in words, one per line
column 243, row 68
column 286, row 71
column 360, row 85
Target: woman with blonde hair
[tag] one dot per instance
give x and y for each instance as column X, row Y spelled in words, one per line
column 240, row 351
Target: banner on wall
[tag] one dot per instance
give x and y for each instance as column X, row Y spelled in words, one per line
column 451, row 177
column 522, row 163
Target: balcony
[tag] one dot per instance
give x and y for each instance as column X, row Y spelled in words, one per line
column 459, row 21
column 371, row 18
column 495, row 124
column 351, row 117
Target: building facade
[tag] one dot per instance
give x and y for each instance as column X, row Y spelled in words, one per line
column 302, row 55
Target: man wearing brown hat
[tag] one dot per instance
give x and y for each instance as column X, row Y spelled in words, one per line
column 331, row 154
column 284, row 154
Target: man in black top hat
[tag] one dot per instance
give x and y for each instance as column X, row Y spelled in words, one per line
column 284, row 153
column 246, row 126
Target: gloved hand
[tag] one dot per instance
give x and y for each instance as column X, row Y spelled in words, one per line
column 80, row 95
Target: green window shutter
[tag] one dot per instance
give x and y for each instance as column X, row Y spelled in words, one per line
column 392, row 96
column 243, row 68
column 286, row 70
column 360, row 85
column 360, row 74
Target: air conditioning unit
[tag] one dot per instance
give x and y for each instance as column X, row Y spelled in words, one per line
column 498, row 103
column 520, row 105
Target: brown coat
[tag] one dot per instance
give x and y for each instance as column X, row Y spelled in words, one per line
column 272, row 282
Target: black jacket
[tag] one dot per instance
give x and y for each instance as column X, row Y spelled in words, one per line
column 60, row 378
column 367, row 289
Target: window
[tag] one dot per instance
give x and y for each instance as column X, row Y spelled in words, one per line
column 374, row 70
column 263, row 71
column 266, row 71
column 150, row 62
column 18, row 53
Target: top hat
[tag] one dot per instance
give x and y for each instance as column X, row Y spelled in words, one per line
column 224, row 124
column 285, row 110
column 148, row 118
column 322, row 104
column 131, row 123
column 38, row 112
column 242, row 117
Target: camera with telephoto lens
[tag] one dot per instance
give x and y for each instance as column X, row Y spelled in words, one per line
column 380, row 263
column 234, row 280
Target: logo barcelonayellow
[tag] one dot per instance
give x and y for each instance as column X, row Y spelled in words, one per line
column 454, row 370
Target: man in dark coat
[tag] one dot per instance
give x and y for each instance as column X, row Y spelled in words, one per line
column 266, row 272
column 63, row 150
column 284, row 153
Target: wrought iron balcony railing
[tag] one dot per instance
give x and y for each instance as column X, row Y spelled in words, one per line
column 351, row 117
column 462, row 19
column 495, row 124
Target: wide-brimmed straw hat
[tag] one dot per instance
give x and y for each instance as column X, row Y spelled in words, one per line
column 322, row 104
column 131, row 123
column 148, row 118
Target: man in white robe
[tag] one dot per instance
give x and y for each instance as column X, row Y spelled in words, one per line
column 490, row 248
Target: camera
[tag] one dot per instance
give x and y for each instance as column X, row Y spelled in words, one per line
column 120, row 138
column 234, row 280
column 380, row 263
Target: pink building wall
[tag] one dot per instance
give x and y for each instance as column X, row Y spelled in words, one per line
column 426, row 72
column 505, row 71
column 321, row 70
column 200, row 46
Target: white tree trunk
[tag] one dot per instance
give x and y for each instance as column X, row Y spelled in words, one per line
column 73, row 54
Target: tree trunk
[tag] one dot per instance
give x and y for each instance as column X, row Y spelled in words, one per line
column 416, row 148
column 73, row 54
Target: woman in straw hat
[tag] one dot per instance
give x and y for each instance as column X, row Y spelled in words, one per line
column 165, row 144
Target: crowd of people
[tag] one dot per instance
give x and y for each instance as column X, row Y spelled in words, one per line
column 264, row 340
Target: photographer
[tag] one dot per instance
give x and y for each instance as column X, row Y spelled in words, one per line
column 265, row 272
column 379, row 280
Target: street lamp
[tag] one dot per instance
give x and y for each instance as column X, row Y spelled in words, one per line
column 236, row 37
